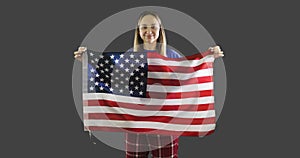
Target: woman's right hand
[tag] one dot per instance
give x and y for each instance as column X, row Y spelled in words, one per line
column 79, row 52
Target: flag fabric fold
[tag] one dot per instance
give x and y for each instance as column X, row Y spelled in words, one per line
column 145, row 92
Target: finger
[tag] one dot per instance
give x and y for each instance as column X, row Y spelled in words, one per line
column 78, row 52
column 217, row 55
column 220, row 55
column 217, row 47
column 219, row 52
column 82, row 49
column 77, row 56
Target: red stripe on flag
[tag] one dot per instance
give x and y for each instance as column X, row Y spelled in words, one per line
column 174, row 82
column 163, row 119
column 179, row 69
column 191, row 57
column 179, row 95
column 184, row 107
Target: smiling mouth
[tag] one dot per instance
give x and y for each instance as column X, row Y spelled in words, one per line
column 149, row 36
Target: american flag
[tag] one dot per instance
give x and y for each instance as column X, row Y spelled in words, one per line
column 145, row 92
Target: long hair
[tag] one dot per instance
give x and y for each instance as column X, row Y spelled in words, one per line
column 161, row 41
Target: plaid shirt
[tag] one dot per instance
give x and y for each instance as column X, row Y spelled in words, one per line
column 140, row 145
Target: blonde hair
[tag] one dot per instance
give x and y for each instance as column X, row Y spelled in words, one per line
column 161, row 39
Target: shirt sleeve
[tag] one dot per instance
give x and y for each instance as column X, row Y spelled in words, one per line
column 130, row 50
column 172, row 53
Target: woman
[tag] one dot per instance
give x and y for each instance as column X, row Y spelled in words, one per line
column 150, row 36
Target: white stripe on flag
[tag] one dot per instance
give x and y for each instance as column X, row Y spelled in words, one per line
column 185, row 88
column 181, row 76
column 185, row 63
column 151, row 125
column 148, row 101
column 177, row 113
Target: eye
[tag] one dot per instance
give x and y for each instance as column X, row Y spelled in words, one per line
column 154, row 27
column 143, row 27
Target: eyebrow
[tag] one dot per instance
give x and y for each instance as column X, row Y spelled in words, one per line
column 150, row 24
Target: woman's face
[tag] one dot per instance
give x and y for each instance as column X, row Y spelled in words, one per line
column 149, row 29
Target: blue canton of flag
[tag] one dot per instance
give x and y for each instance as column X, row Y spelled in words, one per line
column 121, row 73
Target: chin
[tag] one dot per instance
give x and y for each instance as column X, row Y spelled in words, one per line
column 149, row 41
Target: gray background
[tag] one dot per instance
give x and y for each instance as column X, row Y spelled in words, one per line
column 259, row 118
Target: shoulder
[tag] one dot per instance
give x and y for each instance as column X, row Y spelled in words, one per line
column 172, row 53
column 130, row 50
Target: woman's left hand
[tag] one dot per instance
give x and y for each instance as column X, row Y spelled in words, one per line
column 216, row 50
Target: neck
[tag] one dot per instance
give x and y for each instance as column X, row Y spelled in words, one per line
column 150, row 46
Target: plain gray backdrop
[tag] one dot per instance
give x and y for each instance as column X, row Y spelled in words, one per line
column 259, row 39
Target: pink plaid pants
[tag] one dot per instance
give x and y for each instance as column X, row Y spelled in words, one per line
column 160, row 146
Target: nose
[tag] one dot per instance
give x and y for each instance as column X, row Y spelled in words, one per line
column 149, row 30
